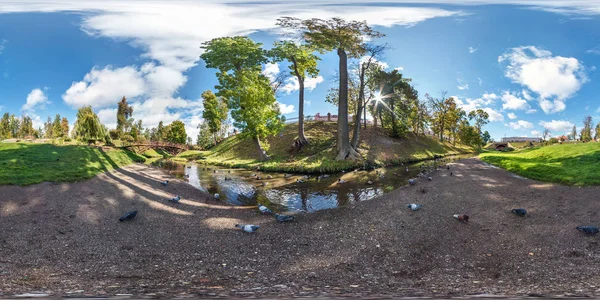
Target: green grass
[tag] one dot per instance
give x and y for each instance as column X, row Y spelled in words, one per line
column 152, row 153
column 319, row 156
column 25, row 164
column 192, row 154
column 570, row 164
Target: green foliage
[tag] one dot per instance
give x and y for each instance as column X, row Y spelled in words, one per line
column 175, row 133
column 215, row 112
column 205, row 137
column 572, row 164
column 302, row 61
column 24, row 164
column 87, row 127
column 233, row 53
column 57, row 130
column 124, row 112
column 586, row 132
column 5, row 131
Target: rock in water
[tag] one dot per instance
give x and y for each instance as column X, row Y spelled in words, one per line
column 462, row 218
column 519, row 211
column 284, row 218
column 414, row 206
column 588, row 229
column 128, row 216
column 248, row 228
column 264, row 210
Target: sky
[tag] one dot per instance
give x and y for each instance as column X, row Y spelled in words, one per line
column 531, row 64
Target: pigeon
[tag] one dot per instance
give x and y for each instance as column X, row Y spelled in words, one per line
column 269, row 177
column 412, row 181
column 264, row 210
column 406, row 169
column 369, row 182
column 214, row 171
column 299, row 181
column 175, row 199
column 248, row 228
column 253, row 175
column 258, row 178
column 588, row 229
column 519, row 212
column 287, row 175
column 189, row 167
column 448, row 167
column 414, row 206
column 462, row 218
column 128, row 216
column 326, row 175
column 429, row 178
column 284, row 218
column 186, row 175
column 451, row 174
column 229, row 171
column 217, row 195
column 264, row 183
column 306, row 176
column 165, row 182
column 341, row 181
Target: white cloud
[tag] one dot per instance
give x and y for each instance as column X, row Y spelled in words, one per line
column 553, row 78
column 108, row 117
column 531, row 111
column 36, row 99
column 399, row 69
column 521, row 124
column 286, row 109
column 557, row 126
column 510, row 101
column 479, row 81
column 473, row 104
column 463, row 86
column 512, row 116
column 271, row 71
column 375, row 61
column 1, row 107
column 2, row 45
column 472, row 50
column 494, row 116
column 596, row 51
column 535, row 133
column 292, row 84
column 587, row 107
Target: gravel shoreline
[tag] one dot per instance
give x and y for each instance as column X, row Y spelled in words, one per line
column 66, row 240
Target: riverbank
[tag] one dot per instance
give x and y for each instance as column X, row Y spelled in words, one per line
column 376, row 147
column 65, row 239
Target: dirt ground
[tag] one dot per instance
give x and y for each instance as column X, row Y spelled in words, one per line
column 65, row 239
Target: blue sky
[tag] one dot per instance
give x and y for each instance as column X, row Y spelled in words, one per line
column 530, row 63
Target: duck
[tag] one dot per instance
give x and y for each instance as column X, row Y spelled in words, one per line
column 249, row 228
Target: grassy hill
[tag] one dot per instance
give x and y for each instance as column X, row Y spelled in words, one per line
column 24, row 164
column 572, row 164
column 319, row 156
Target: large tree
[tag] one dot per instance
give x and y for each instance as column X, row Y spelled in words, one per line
column 586, row 132
column 124, row 113
column 347, row 38
column 596, row 135
column 215, row 113
column 249, row 94
column 176, row 133
column 26, row 127
column 546, row 134
column 303, row 63
column 87, row 127
column 5, row 126
column 574, row 133
column 57, row 130
column 440, row 108
column 64, row 126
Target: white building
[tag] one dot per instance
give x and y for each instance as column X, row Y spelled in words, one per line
column 521, row 139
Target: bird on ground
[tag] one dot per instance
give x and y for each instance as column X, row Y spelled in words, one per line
column 264, row 183
column 287, row 175
column 326, row 175
column 253, row 175
column 341, row 181
column 227, row 178
column 128, row 216
column 229, row 171
column 369, row 182
column 406, row 169
column 299, row 181
column 451, row 174
column 214, row 171
column 588, row 229
column 264, row 210
column 248, row 228
column 186, row 175
column 429, row 178
column 519, row 211
column 462, row 218
column 306, row 176
column 175, row 199
column 412, row 181
column 414, row 206
column 165, row 182
column 216, row 195
column 448, row 167
column 269, row 177
column 284, row 218
column 189, row 167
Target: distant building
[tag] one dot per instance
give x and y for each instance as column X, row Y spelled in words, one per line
column 521, row 139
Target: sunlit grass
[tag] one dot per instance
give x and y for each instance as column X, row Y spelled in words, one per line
column 24, row 164
column 571, row 164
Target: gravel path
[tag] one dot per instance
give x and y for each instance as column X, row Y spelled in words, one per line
column 65, row 239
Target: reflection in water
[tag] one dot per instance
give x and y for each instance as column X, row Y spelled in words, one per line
column 284, row 193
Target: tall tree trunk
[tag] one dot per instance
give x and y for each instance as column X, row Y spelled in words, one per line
column 301, row 139
column 262, row 154
column 394, row 125
column 365, row 115
column 361, row 97
column 343, row 138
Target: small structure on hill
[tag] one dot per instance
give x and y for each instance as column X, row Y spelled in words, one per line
column 521, row 139
column 499, row 146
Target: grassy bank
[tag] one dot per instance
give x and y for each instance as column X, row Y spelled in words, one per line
column 24, row 164
column 571, row 164
column 319, row 156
